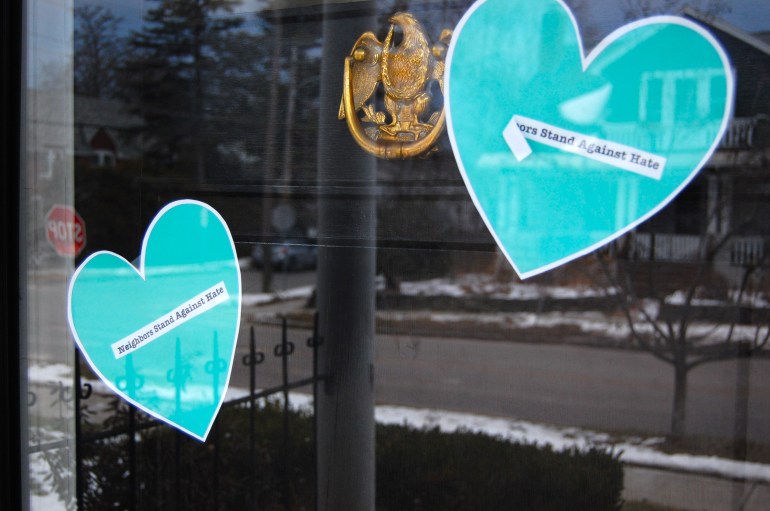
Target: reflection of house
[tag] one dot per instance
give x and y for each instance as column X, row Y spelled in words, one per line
column 730, row 195
column 104, row 133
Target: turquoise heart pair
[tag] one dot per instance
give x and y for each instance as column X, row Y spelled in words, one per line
column 163, row 335
column 562, row 152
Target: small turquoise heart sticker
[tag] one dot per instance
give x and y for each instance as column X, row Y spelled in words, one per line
column 562, row 152
column 163, row 335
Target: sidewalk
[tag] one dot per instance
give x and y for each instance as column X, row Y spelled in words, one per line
column 696, row 492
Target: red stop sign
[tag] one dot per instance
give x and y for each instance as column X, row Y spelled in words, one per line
column 65, row 230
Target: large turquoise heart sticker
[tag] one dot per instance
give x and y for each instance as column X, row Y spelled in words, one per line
column 163, row 335
column 563, row 152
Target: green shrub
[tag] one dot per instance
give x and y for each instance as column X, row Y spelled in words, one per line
column 416, row 469
column 431, row 470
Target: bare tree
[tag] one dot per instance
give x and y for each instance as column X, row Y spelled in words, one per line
column 673, row 326
column 98, row 50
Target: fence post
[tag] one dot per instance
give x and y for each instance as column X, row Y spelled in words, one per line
column 251, row 360
column 79, row 392
column 284, row 350
column 78, row 437
column 177, row 468
column 314, row 342
column 132, row 457
column 346, row 274
column 215, row 462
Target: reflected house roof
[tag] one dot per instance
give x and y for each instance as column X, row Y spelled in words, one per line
column 749, row 55
column 105, row 124
column 760, row 41
column 763, row 36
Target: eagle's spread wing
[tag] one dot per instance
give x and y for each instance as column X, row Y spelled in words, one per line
column 364, row 74
column 439, row 56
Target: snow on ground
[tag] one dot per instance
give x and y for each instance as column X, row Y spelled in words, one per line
column 43, row 495
column 50, row 373
column 487, row 286
column 636, row 450
column 752, row 299
column 587, row 322
column 255, row 299
column 590, row 322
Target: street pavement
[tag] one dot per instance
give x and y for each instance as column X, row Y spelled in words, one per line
column 608, row 389
column 696, row 492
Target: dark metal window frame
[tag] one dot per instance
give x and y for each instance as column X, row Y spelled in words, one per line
column 10, row 308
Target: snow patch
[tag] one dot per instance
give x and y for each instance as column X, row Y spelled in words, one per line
column 488, row 286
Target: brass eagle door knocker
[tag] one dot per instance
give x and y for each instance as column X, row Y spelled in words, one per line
column 405, row 72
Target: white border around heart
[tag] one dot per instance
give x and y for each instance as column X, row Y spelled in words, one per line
column 586, row 62
column 142, row 274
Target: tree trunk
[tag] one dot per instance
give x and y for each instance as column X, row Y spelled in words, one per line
column 741, row 426
column 679, row 412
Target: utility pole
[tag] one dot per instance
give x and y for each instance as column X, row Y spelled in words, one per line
column 346, row 272
column 268, row 174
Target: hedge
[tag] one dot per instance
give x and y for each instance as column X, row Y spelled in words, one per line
column 416, row 470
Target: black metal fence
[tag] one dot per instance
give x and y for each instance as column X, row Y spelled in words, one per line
column 126, row 459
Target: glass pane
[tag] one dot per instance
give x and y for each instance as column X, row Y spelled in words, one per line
column 427, row 273
column 49, row 177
